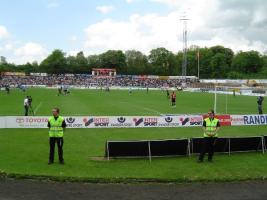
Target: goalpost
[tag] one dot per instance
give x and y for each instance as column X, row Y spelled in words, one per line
column 235, row 91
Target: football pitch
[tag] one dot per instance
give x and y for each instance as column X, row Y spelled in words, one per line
column 24, row 152
column 121, row 103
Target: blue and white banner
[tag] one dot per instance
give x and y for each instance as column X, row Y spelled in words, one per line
column 130, row 121
column 248, row 120
column 104, row 121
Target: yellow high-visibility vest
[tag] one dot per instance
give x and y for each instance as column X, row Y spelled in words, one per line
column 56, row 129
column 211, row 126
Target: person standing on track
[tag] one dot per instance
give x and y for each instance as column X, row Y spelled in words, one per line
column 259, row 102
column 211, row 126
column 56, row 125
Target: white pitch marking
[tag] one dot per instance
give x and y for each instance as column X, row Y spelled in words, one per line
column 39, row 105
column 145, row 108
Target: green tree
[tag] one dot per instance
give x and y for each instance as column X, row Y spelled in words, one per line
column 219, row 66
column 71, row 64
column 205, row 55
column 192, row 65
column 81, row 63
column 179, row 63
column 113, row 59
column 235, row 75
column 94, row 61
column 28, row 67
column 7, row 67
column 215, row 62
column 136, row 62
column 247, row 62
column 55, row 63
column 228, row 53
column 162, row 62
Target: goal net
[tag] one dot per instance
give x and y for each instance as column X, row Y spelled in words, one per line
column 238, row 100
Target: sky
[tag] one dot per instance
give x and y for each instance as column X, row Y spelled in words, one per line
column 31, row 29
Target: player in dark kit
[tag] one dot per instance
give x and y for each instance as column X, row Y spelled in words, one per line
column 259, row 102
column 173, row 99
column 59, row 91
column 168, row 94
column 7, row 89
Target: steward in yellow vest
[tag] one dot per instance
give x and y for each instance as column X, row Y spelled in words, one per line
column 56, row 125
column 211, row 126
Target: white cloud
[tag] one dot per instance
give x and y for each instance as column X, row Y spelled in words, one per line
column 74, row 38
column 169, row 2
column 6, row 47
column 17, row 52
column 73, row 52
column 9, row 47
column 52, row 5
column 29, row 52
column 3, row 33
column 105, row 9
column 130, row 1
column 138, row 32
column 14, row 52
column 240, row 26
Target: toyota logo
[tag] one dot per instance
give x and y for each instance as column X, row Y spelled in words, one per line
column 19, row 120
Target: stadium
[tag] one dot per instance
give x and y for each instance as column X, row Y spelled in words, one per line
column 85, row 148
column 134, row 122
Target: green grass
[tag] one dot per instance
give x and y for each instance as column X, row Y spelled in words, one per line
column 91, row 102
column 24, row 152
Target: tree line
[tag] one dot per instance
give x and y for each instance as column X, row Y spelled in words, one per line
column 214, row 62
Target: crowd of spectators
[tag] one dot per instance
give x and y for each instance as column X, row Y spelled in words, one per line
column 88, row 80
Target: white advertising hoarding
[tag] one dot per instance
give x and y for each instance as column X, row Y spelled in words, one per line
column 129, row 121
column 104, row 121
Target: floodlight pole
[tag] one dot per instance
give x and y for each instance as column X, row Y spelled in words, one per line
column 226, row 104
column 215, row 99
column 184, row 65
column 198, row 63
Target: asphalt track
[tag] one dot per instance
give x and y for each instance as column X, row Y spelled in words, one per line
column 34, row 190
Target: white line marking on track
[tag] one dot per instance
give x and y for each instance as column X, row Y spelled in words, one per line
column 145, row 108
column 39, row 105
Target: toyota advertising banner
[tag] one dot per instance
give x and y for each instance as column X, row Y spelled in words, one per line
column 2, row 122
column 26, row 122
column 105, row 121
column 131, row 121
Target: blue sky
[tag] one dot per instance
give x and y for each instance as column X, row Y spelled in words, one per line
column 31, row 29
column 54, row 22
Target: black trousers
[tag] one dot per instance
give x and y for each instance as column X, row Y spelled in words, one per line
column 260, row 109
column 52, row 142
column 207, row 146
column 173, row 102
column 26, row 108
